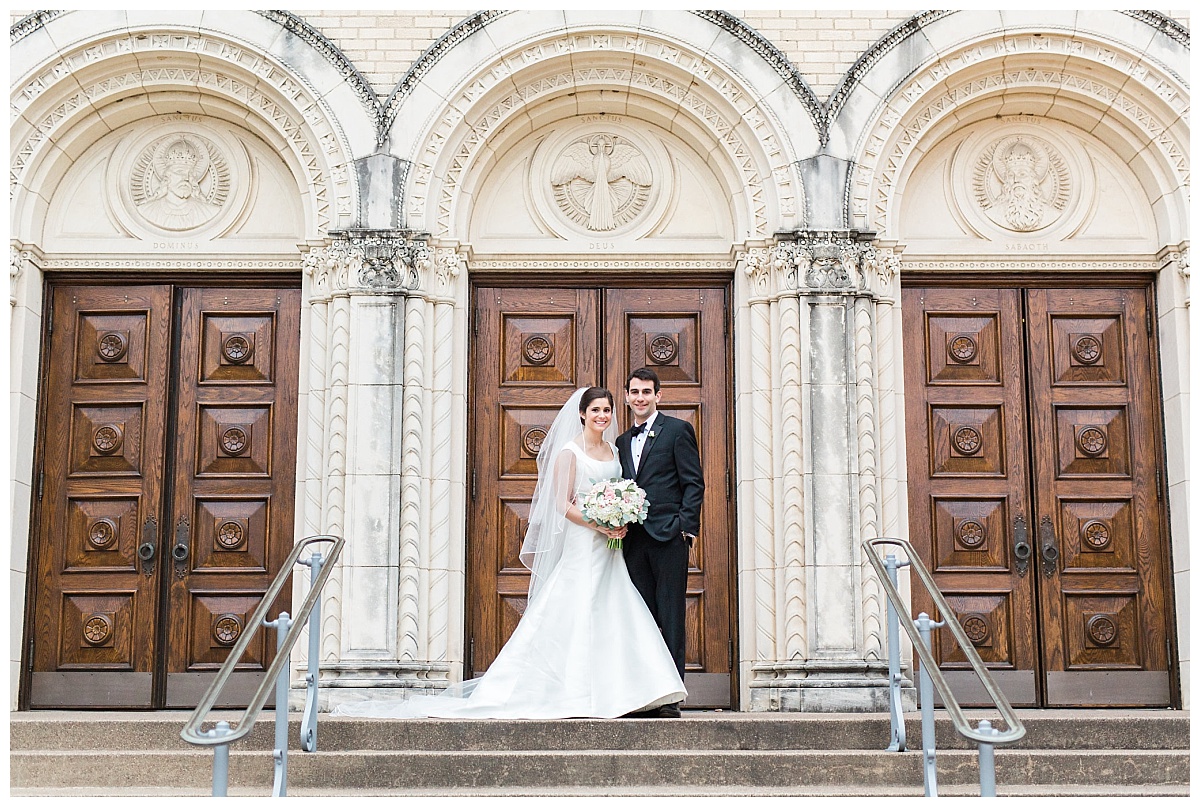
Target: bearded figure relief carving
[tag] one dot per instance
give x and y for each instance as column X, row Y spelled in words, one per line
column 180, row 182
column 1022, row 183
column 601, row 181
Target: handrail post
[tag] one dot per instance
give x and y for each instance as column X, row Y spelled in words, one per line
column 281, row 625
column 220, row 786
column 987, row 761
column 899, row 741
column 308, row 726
column 928, row 739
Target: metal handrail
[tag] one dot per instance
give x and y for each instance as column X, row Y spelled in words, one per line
column 985, row 734
column 289, row 633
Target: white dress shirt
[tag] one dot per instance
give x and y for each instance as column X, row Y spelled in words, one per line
column 639, row 442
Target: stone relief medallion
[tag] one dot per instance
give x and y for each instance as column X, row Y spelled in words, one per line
column 1020, row 178
column 179, row 177
column 180, row 182
column 1021, row 183
column 600, row 177
column 601, row 181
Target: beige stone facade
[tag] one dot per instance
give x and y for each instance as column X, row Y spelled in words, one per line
column 813, row 160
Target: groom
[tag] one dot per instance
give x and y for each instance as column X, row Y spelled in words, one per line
column 661, row 455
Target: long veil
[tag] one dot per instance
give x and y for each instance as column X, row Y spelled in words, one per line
column 541, row 551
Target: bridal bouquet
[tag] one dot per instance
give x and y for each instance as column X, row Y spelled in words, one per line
column 613, row 503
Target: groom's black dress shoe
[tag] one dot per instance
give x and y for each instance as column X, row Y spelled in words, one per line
column 644, row 713
column 669, row 710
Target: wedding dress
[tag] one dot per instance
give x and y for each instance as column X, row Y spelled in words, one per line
column 586, row 646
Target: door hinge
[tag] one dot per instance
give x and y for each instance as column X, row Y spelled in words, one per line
column 725, row 318
column 471, row 658
column 29, row 656
column 728, row 484
column 41, row 482
column 731, row 655
column 475, row 321
column 50, row 317
column 474, row 485
column 1149, row 321
column 1158, row 483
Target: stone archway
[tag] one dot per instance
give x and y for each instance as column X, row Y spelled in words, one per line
column 226, row 103
column 1087, row 110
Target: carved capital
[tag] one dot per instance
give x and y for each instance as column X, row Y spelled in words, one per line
column 448, row 265
column 371, row 261
column 832, row 260
column 18, row 259
column 880, row 268
column 756, row 262
column 1183, row 262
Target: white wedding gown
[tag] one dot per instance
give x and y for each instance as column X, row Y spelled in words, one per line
column 587, row 646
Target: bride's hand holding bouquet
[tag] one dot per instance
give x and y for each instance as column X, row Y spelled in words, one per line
column 611, row 504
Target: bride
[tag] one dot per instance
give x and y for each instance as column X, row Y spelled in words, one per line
column 587, row 645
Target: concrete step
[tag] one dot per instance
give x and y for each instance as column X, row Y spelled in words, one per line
column 515, row 771
column 1092, row 729
column 845, row 791
column 1087, row 752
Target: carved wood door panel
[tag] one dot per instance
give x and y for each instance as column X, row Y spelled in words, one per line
column 1033, row 435
column 533, row 347
column 969, row 483
column 101, row 485
column 1103, row 587
column 156, row 534
column 234, row 481
column 680, row 334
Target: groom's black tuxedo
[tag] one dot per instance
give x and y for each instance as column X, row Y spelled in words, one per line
column 656, row 552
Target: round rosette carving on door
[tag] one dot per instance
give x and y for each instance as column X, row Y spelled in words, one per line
column 967, row 441
column 97, row 628
column 235, row 441
column 237, row 348
column 1086, row 349
column 1102, row 629
column 107, row 439
column 976, row 627
column 1096, row 534
column 537, row 349
column 230, row 535
column 663, row 348
column 102, row 532
column 971, row 533
column 533, row 440
column 226, row 629
column 1092, row 441
column 112, row 346
column 962, row 349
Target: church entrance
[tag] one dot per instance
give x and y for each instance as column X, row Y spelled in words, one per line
column 533, row 347
column 1036, row 488
column 165, row 490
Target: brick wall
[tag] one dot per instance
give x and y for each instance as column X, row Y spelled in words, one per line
column 822, row 44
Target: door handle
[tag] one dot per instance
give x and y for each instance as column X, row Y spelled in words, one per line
column 1049, row 546
column 149, row 543
column 182, row 549
column 1021, row 548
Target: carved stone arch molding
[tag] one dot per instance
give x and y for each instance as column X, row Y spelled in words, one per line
column 235, row 66
column 1103, row 73
column 662, row 67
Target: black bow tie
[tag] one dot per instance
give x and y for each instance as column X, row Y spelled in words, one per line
column 638, row 430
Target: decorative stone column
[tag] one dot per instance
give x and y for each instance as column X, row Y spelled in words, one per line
column 822, row 472
column 378, row 457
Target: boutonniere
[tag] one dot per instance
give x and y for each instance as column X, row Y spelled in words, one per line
column 649, row 435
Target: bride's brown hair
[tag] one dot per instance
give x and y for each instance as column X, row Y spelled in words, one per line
column 592, row 394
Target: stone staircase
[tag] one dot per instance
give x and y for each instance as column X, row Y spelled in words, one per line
column 1094, row 752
